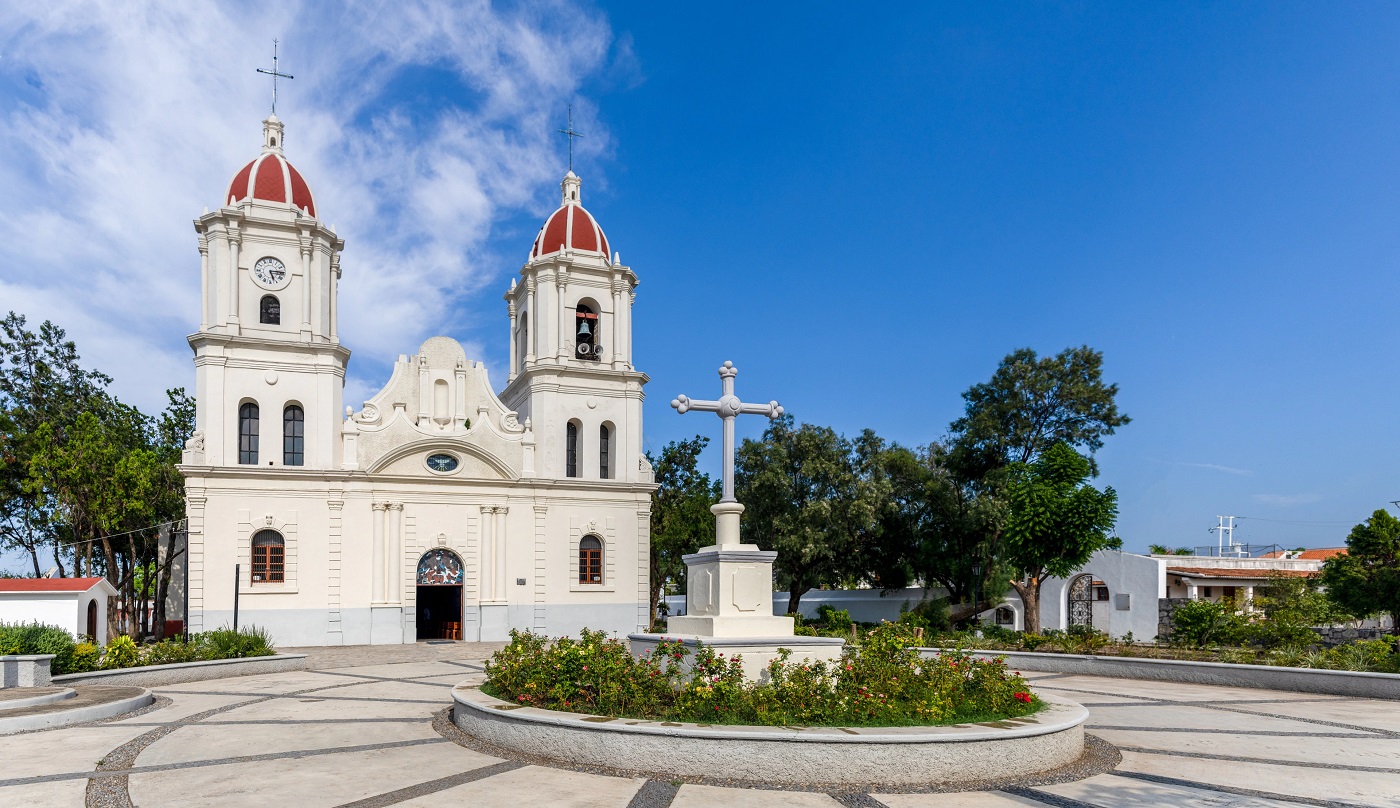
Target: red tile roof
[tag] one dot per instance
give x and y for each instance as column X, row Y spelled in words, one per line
column 48, row 584
column 1219, row 572
column 1322, row 553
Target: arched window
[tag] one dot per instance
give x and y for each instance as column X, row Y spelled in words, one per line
column 590, row 560
column 604, row 452
column 269, row 557
column 270, row 311
column 248, row 434
column 293, row 436
column 1005, row 616
column 571, row 450
column 586, row 333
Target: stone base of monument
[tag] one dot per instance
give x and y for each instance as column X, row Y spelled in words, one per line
column 755, row 652
column 729, row 594
column 860, row 756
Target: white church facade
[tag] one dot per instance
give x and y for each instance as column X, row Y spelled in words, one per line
column 441, row 508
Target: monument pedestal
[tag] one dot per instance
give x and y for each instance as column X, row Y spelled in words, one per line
column 729, row 600
column 729, row 585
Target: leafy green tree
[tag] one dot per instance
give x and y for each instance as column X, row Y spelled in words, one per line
column 42, row 382
column 809, row 495
column 681, row 521
column 1029, row 405
column 1056, row 521
column 1289, row 608
column 1365, row 581
column 939, row 530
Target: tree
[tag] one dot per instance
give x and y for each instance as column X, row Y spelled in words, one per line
column 1291, row 607
column 807, row 496
column 41, row 383
column 681, row 521
column 1056, row 521
column 1366, row 580
column 1029, row 405
column 938, row 529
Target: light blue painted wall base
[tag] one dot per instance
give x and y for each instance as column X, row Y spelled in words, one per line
column 495, row 622
column 386, row 625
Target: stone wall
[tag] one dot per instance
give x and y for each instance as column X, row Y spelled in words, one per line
column 1341, row 635
column 1166, row 609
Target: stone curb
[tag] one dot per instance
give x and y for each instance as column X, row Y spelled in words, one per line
column 900, row 755
column 17, row 704
column 77, row 715
column 181, row 672
column 1358, row 684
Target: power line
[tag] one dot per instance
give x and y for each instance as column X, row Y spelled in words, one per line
column 1297, row 521
column 128, row 533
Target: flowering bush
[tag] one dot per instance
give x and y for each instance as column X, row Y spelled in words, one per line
column 884, row 682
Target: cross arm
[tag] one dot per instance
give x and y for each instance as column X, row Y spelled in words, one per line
column 772, row 409
column 683, row 404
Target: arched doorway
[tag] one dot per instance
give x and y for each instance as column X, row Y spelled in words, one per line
column 1081, row 601
column 92, row 621
column 439, row 596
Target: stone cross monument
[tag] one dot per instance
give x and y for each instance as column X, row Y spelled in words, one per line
column 728, row 509
column 729, row 585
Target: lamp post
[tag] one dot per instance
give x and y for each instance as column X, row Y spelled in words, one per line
column 976, row 585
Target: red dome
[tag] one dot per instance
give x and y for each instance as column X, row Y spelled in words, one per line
column 571, row 225
column 272, row 179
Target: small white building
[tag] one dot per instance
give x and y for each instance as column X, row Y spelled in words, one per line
column 77, row 605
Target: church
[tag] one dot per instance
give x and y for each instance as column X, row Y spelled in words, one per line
column 441, row 508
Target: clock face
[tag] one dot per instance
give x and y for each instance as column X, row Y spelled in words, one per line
column 442, row 462
column 270, row 271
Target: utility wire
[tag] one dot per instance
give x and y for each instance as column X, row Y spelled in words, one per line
column 128, row 533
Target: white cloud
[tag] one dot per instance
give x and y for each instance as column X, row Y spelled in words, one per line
column 1285, row 500
column 120, row 124
column 1231, row 470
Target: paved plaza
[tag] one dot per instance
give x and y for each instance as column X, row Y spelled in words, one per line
column 364, row 728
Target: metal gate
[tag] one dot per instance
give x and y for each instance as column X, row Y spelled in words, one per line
column 1081, row 601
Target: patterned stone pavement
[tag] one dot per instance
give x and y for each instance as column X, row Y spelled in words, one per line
column 359, row 731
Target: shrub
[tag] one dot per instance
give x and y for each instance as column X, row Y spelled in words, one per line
column 37, row 638
column 883, row 682
column 1205, row 622
column 86, row 657
column 121, row 653
column 930, row 615
column 835, row 619
column 225, row 643
column 171, row 651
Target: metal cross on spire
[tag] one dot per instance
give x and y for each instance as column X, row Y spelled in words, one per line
column 571, row 135
column 275, row 75
column 727, row 408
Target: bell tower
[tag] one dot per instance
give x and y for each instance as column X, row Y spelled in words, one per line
column 269, row 366
column 571, row 371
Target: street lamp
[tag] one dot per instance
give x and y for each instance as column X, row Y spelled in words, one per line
column 976, row 584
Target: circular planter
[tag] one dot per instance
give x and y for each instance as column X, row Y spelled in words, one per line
column 961, row 753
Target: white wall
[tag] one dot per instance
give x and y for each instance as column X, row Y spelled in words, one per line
column 67, row 610
column 1142, row 578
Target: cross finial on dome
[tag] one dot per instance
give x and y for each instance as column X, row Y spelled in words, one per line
column 571, row 187
column 275, row 75
column 571, row 134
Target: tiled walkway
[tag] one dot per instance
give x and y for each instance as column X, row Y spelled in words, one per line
column 362, row 735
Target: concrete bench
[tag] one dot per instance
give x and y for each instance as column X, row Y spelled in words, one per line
column 25, row 670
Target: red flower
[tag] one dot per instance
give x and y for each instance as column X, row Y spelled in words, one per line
column 1023, row 697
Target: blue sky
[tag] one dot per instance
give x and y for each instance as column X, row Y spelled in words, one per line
column 863, row 210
